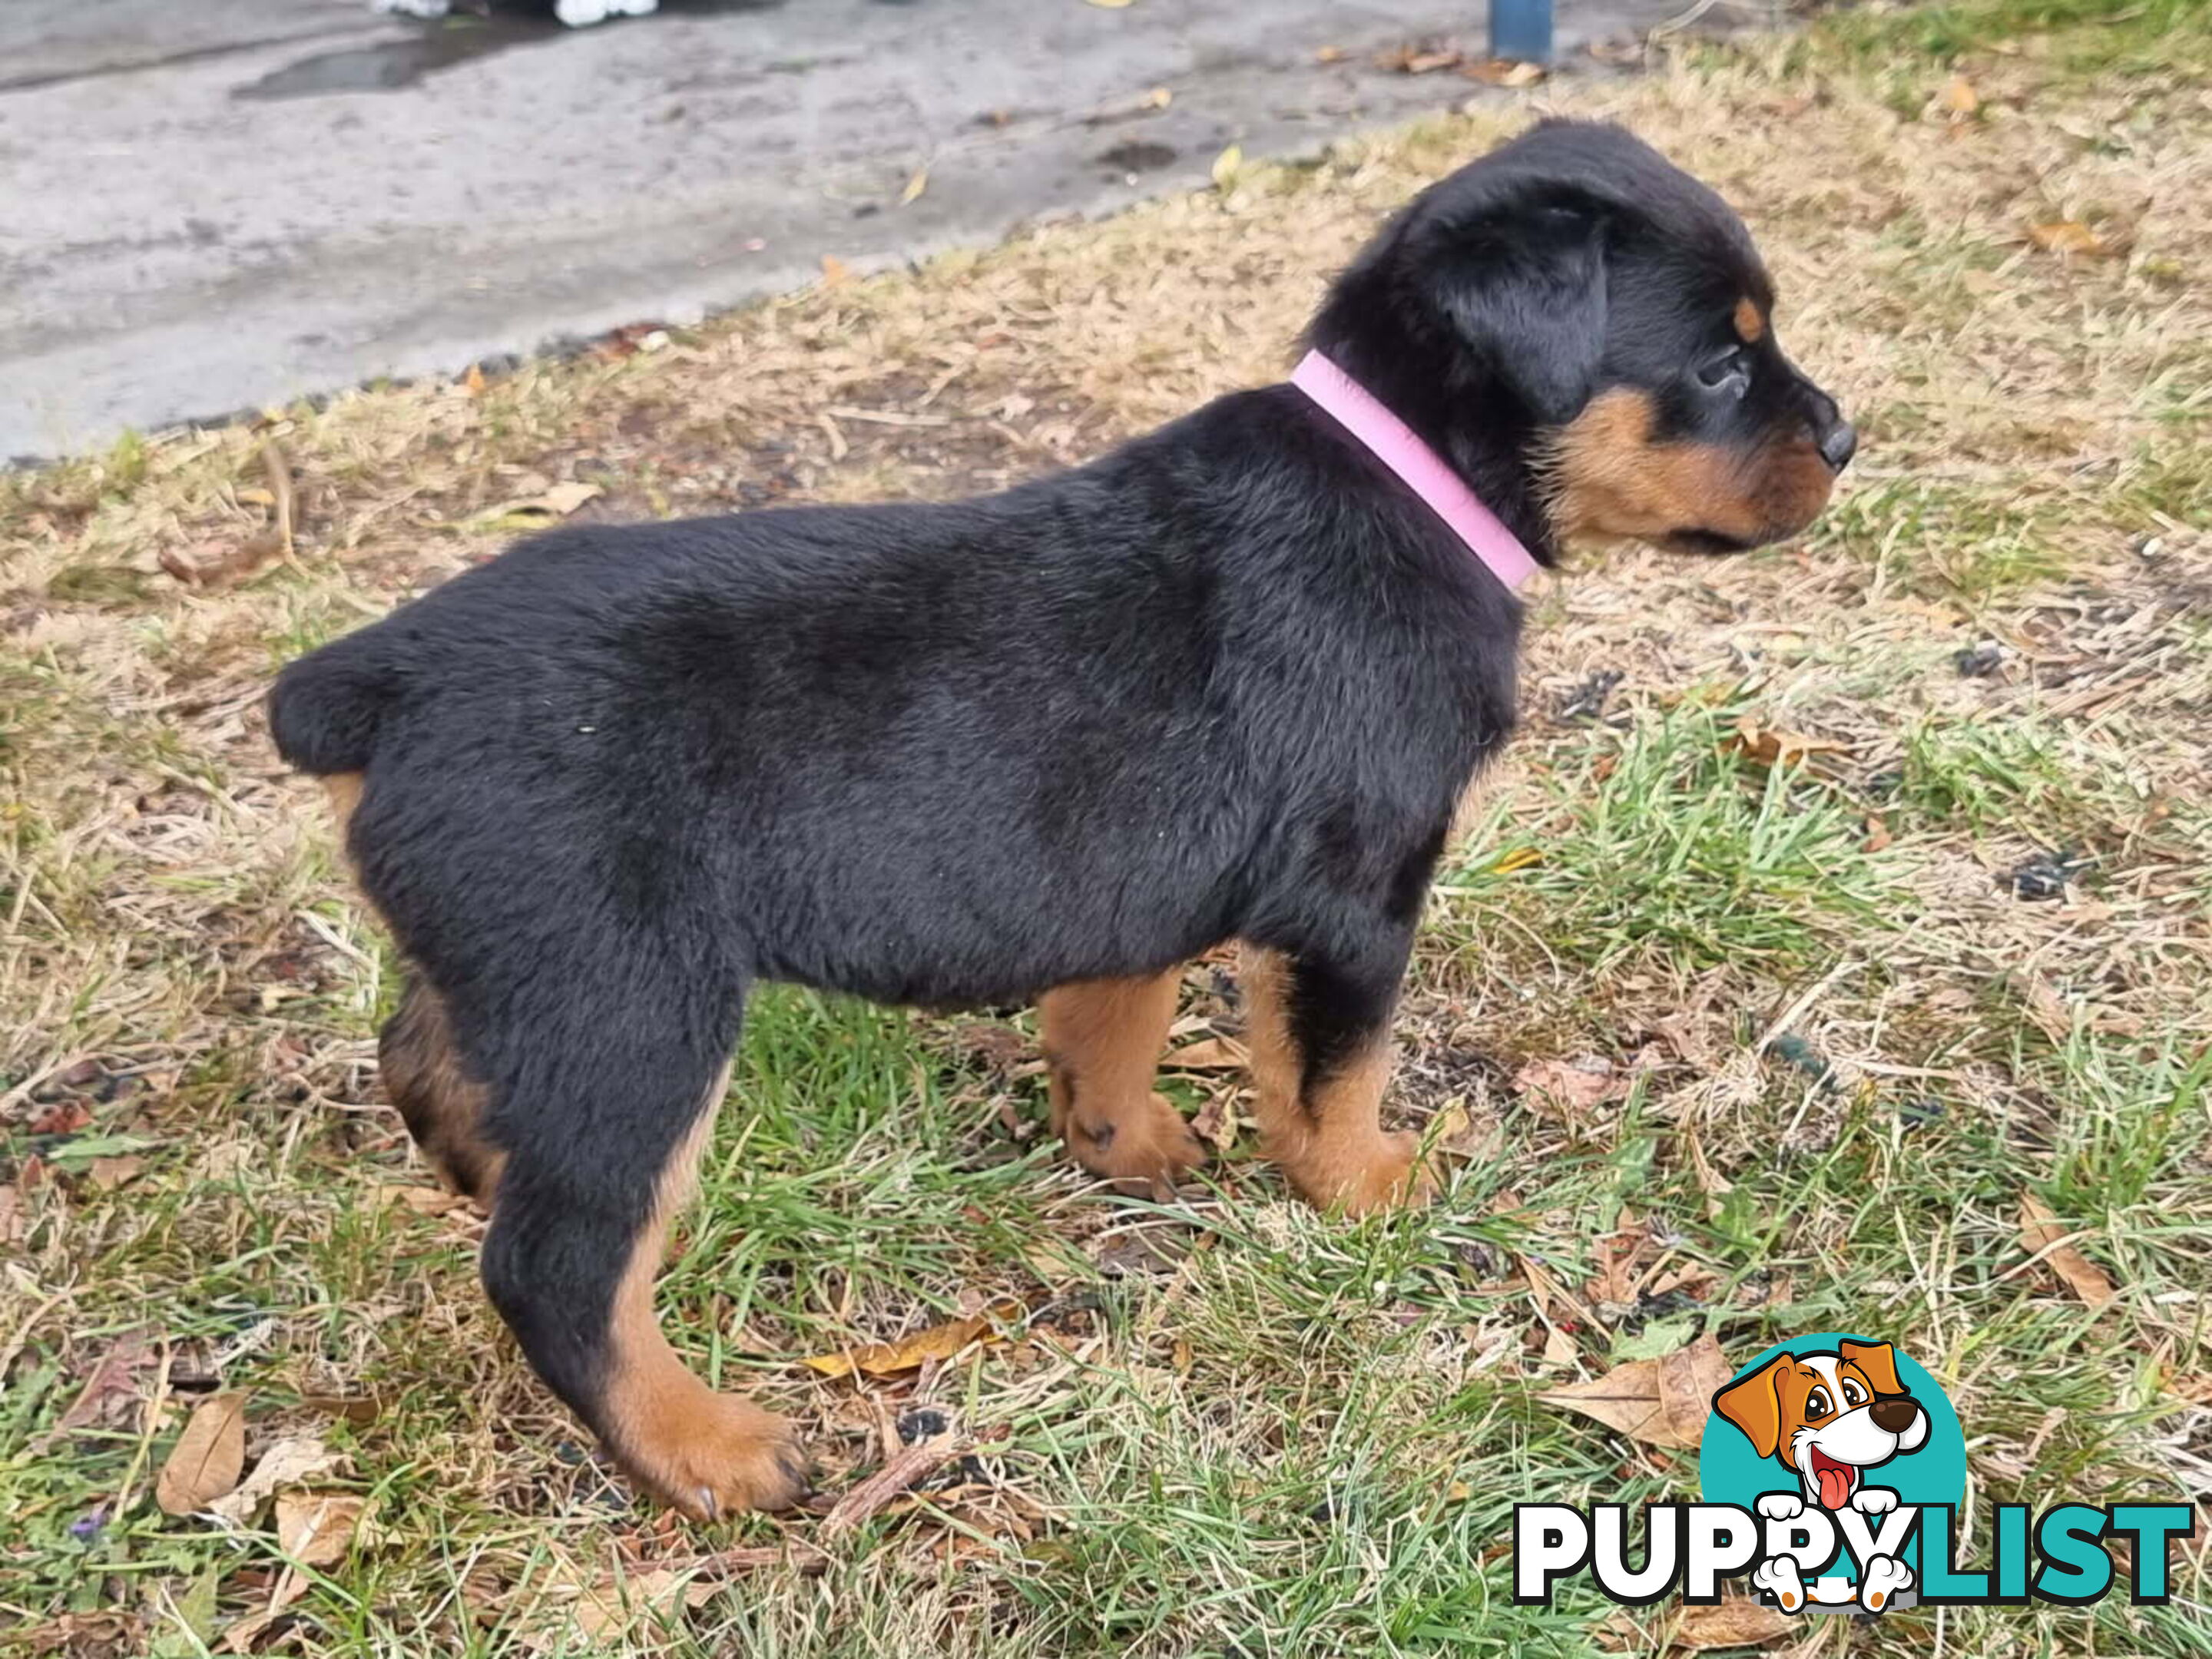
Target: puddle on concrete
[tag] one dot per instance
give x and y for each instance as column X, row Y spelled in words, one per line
column 441, row 44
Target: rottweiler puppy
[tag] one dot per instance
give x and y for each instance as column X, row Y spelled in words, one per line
column 1226, row 683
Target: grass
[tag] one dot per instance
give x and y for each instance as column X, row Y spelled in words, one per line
column 1837, row 1048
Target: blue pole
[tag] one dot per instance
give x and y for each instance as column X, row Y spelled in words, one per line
column 1521, row 30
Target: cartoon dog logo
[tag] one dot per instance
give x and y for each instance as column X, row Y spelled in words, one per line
column 1828, row 1416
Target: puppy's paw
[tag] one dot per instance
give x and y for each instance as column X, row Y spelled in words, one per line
column 1779, row 1576
column 1145, row 1150
column 1886, row 1578
column 1874, row 1500
column 1781, row 1505
column 1379, row 1174
column 717, row 1457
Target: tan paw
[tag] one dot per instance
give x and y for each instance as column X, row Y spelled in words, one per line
column 1366, row 1175
column 1145, row 1150
column 713, row 1455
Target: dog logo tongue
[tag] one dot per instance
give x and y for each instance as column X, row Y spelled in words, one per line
column 1835, row 1481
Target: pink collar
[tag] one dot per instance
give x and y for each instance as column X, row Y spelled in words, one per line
column 1398, row 448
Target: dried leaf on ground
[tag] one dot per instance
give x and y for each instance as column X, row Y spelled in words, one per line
column 114, row 1381
column 1770, row 746
column 1571, row 1088
column 1504, row 72
column 1209, row 1055
column 208, row 1458
column 1226, row 167
column 423, row 1200
column 1663, row 1402
column 1457, row 1132
column 2067, row 236
column 1215, row 1123
column 216, row 563
column 909, row 1352
column 1619, row 1264
column 1736, row 1622
column 294, row 1462
column 1960, row 99
column 319, row 1529
column 555, row 501
column 914, row 186
column 2042, row 1234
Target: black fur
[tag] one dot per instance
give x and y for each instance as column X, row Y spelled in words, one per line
column 1227, row 682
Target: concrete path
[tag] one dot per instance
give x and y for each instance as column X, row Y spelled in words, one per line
column 206, row 207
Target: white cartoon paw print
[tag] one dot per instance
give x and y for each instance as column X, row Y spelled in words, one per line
column 1778, row 1576
column 1781, row 1505
column 1874, row 1500
column 1885, row 1577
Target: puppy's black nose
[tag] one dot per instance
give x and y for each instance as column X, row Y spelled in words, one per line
column 1895, row 1413
column 1839, row 444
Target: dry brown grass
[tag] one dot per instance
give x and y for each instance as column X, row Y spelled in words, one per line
column 180, row 962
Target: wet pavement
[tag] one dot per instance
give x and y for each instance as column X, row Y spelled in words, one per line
column 208, row 207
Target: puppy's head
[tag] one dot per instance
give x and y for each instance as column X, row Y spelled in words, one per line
column 1576, row 291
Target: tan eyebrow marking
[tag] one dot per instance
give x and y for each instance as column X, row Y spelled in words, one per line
column 1750, row 326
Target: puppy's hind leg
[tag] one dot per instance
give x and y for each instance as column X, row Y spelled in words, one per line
column 1102, row 1039
column 441, row 1101
column 604, row 1112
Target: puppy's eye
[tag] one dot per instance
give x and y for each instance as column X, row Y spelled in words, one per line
column 1730, row 372
column 1853, row 1394
column 1816, row 1404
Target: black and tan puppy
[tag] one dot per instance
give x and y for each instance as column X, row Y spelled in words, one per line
column 1226, row 683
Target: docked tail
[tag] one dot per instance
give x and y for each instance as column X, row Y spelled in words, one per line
column 325, row 708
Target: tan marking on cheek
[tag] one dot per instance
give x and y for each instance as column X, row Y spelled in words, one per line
column 1750, row 326
column 1605, row 477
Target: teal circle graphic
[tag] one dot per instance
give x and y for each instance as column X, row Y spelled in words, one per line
column 1731, row 1471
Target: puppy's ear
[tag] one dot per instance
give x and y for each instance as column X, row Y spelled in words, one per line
column 1878, row 1360
column 1517, row 271
column 1755, row 1405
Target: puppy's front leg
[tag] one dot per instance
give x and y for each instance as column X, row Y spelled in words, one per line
column 1319, row 1030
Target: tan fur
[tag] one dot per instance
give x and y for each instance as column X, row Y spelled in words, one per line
column 344, row 788
column 707, row 1454
column 1750, row 325
column 1605, row 475
column 1102, row 1039
column 1328, row 1138
column 442, row 1104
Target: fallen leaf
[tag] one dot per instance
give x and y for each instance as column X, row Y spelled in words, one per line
column 2043, row 1234
column 423, row 1200
column 1663, row 1402
column 473, row 381
column 208, row 1458
column 318, row 1528
column 1503, row 72
column 1571, row 1088
column 1877, row 835
column 1417, row 60
column 1329, row 55
column 1521, row 858
column 1617, row 1272
column 109, row 1173
column 1159, row 97
column 2067, row 236
column 914, row 186
column 938, row 1342
column 1226, row 167
column 1738, row 1622
column 296, row 1461
column 113, row 1380
column 214, row 565
column 835, row 271
column 1209, row 1055
column 1215, row 1123
column 1960, row 99
column 1457, row 1132
column 1770, row 746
